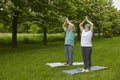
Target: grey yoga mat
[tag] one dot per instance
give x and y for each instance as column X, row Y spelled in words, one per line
column 79, row 70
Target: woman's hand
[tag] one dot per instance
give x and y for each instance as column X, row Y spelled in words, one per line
column 86, row 18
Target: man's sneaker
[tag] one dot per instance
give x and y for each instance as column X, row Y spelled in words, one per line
column 70, row 64
column 66, row 64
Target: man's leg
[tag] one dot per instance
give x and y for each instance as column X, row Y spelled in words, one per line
column 71, row 54
column 67, row 54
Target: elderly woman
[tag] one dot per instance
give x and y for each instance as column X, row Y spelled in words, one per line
column 69, row 41
column 86, row 43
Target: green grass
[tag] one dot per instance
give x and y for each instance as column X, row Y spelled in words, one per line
column 5, row 38
column 27, row 62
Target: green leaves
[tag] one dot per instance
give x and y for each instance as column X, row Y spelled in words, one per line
column 53, row 12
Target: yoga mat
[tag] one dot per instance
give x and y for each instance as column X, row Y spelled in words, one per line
column 79, row 70
column 58, row 64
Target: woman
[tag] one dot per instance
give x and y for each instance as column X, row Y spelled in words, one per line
column 69, row 41
column 86, row 43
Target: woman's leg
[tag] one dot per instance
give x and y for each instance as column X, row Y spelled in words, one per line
column 84, row 57
column 88, row 57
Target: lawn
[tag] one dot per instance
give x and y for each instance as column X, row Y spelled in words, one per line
column 27, row 62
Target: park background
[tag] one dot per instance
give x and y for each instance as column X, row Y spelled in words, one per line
column 31, row 35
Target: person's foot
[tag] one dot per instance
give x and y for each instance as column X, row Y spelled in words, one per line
column 66, row 64
column 70, row 64
column 83, row 70
column 87, row 70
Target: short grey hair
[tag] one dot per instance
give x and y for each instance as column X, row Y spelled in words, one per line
column 88, row 25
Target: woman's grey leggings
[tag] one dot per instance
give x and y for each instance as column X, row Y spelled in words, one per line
column 86, row 54
column 69, row 54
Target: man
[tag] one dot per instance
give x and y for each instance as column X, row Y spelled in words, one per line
column 69, row 41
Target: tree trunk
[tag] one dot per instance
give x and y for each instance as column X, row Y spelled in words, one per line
column 78, row 32
column 98, row 32
column 94, row 34
column 14, row 30
column 45, row 35
column 102, row 33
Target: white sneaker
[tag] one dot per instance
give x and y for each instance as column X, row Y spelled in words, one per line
column 83, row 70
column 87, row 70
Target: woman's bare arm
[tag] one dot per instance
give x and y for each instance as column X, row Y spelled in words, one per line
column 92, row 25
column 81, row 25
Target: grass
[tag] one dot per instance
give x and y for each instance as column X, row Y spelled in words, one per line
column 5, row 38
column 27, row 62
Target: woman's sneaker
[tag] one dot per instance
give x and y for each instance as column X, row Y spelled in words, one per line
column 83, row 70
column 87, row 70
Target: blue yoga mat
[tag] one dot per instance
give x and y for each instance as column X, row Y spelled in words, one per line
column 79, row 70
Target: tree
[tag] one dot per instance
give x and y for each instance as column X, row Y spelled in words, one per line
column 4, row 16
column 12, row 10
column 51, row 12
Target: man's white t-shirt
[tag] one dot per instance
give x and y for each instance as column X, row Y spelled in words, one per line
column 86, row 38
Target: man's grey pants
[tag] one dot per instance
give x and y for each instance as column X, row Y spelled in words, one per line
column 69, row 54
column 86, row 53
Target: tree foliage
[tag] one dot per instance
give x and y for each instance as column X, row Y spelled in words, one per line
column 47, row 16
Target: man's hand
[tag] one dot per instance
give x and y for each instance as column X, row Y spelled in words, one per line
column 64, row 24
column 67, row 20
